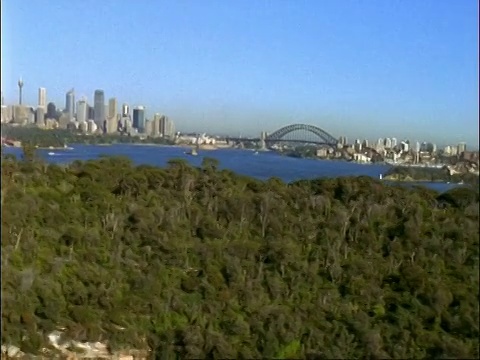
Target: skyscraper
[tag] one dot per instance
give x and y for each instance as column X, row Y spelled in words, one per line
column 111, row 123
column 51, row 111
column 82, row 111
column 125, row 110
column 42, row 98
column 167, row 128
column 156, row 125
column 40, row 116
column 99, row 108
column 139, row 118
column 91, row 113
column 112, row 108
column 70, row 103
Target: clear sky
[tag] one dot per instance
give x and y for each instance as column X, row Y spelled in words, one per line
column 360, row 68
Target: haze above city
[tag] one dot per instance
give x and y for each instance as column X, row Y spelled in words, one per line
column 358, row 69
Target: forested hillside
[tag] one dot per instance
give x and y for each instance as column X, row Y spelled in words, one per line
column 197, row 263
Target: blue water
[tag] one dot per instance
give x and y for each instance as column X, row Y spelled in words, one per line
column 262, row 165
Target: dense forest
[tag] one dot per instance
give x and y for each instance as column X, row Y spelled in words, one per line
column 202, row 263
column 61, row 137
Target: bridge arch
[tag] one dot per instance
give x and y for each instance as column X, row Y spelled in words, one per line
column 322, row 134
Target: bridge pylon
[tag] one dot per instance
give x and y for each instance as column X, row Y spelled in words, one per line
column 263, row 144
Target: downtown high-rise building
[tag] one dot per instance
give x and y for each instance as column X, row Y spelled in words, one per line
column 91, row 113
column 111, row 123
column 167, row 128
column 139, row 118
column 70, row 104
column 99, row 108
column 342, row 140
column 156, row 125
column 112, row 108
column 125, row 110
column 42, row 98
column 40, row 115
column 82, row 111
column 51, row 111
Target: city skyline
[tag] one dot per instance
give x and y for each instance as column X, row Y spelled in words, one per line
column 124, row 109
column 411, row 71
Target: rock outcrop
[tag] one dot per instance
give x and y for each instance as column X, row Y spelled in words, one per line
column 60, row 348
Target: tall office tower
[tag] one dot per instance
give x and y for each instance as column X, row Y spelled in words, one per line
column 70, row 104
column 171, row 129
column 167, row 128
column 20, row 87
column 342, row 140
column 51, row 111
column 148, row 127
column 125, row 124
column 30, row 115
column 40, row 116
column 139, row 118
column 156, row 125
column 461, row 147
column 394, row 142
column 125, row 110
column 99, row 108
column 163, row 125
column 357, row 145
column 42, row 98
column 112, row 108
column 91, row 113
column 111, row 125
column 82, row 111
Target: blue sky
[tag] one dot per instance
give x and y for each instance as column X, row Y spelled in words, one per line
column 364, row 68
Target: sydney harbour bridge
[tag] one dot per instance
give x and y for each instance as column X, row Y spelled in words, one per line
column 295, row 134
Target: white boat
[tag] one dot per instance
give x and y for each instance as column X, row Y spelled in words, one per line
column 192, row 152
column 51, row 153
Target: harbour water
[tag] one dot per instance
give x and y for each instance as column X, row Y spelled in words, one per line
column 261, row 165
